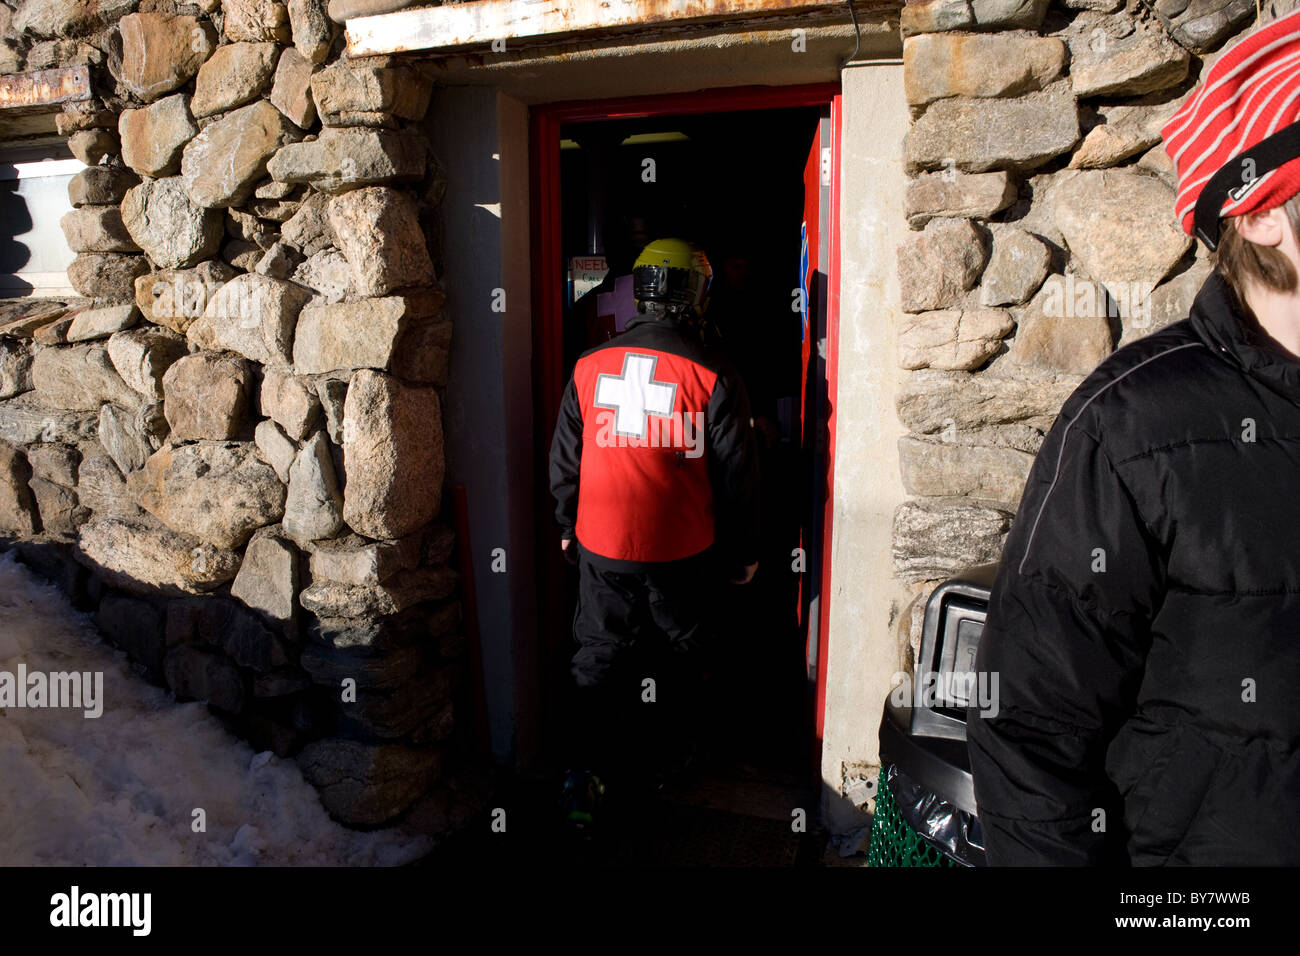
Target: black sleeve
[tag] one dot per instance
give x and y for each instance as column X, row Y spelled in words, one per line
column 733, row 470
column 1066, row 640
column 566, row 461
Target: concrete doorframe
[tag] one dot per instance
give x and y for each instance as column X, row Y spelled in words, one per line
column 480, row 135
column 866, row 599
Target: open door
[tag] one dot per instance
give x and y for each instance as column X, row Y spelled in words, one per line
column 819, row 275
column 806, row 413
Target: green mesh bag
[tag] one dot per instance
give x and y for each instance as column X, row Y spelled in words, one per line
column 893, row 842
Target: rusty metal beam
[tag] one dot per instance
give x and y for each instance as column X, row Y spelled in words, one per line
column 480, row 23
column 44, row 90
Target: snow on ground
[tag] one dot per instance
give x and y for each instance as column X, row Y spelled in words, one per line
column 120, row 789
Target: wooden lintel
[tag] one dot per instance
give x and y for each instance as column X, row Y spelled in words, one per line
column 44, row 90
column 484, row 22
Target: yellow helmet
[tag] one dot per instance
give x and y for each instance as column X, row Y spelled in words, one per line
column 673, row 272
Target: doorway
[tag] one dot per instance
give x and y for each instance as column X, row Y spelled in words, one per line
column 748, row 175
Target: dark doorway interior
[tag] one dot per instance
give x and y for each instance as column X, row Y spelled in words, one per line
column 733, row 183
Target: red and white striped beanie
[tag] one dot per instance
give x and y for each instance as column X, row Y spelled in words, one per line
column 1251, row 92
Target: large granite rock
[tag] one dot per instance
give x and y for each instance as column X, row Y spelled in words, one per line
column 348, row 335
column 355, row 560
column 948, row 469
column 933, row 402
column 220, row 491
column 1119, row 56
column 933, row 16
column 254, row 315
column 291, row 89
column 1059, row 335
column 328, row 274
column 256, row 20
column 223, row 163
column 176, row 297
column 18, row 514
column 349, row 87
column 392, row 450
column 291, row 402
column 66, row 18
column 1017, row 267
column 173, row 231
column 936, row 538
column 91, row 146
column 108, row 277
column 123, row 441
column 96, row 229
column 141, row 555
column 937, row 266
column 142, row 357
column 56, row 462
column 342, row 159
column 404, row 590
column 309, row 228
column 80, row 378
column 60, row 512
column 153, row 137
column 24, row 419
column 90, row 324
column 950, row 194
column 952, row 339
column 101, row 185
column 937, row 65
column 313, row 31
column 979, row 134
column 235, row 74
column 379, row 234
column 15, row 368
column 314, row 507
column 1120, row 226
column 268, row 578
column 161, row 52
column 207, row 396
column 364, row 784
column 1116, row 132
column 276, row 448
column 1201, row 25
column 102, row 489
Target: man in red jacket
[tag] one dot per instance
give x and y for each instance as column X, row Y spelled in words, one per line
column 654, row 471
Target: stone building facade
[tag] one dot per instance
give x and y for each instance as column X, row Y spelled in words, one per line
column 1041, row 203
column 230, row 448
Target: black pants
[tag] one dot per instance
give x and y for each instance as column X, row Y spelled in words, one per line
column 644, row 651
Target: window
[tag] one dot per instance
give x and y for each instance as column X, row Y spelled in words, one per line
column 34, row 255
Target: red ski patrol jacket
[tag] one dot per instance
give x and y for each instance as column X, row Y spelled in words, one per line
column 654, row 458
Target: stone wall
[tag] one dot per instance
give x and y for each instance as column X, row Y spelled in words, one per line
column 1041, row 204
column 231, row 449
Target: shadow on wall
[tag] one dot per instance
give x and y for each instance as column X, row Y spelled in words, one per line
column 15, row 220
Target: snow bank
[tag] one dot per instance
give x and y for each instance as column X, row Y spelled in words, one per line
column 121, row 790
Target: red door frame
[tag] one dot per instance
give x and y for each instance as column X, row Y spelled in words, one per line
column 548, row 364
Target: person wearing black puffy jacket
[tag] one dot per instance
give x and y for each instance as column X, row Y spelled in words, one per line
column 1144, row 623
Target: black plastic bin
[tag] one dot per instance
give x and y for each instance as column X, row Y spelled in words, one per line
column 925, row 797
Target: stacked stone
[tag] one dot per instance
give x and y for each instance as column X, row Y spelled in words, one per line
column 1044, row 237
column 240, row 432
column 48, row 35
